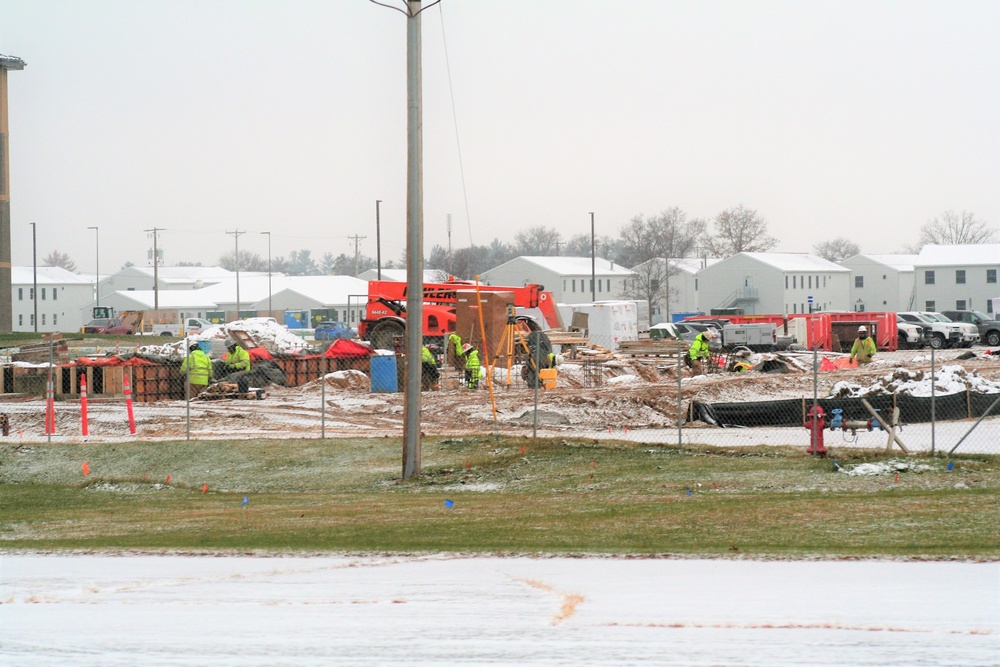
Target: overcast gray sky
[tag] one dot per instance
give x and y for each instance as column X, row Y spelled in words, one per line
column 856, row 119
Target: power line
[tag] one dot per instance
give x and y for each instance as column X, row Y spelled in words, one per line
column 454, row 115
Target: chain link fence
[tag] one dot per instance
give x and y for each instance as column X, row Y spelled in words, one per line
column 646, row 391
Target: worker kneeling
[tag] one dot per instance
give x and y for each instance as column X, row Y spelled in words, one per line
column 472, row 366
column 429, row 373
column 700, row 352
column 864, row 347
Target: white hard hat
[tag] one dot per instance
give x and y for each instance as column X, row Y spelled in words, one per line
column 466, row 347
column 862, row 328
column 709, row 333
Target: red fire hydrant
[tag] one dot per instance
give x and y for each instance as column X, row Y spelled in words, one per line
column 816, row 422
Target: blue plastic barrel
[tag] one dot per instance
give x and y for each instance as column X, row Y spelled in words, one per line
column 205, row 345
column 383, row 373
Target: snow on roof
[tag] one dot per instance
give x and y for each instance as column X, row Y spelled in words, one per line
column 186, row 273
column 898, row 262
column 573, row 266
column 399, row 275
column 959, row 255
column 693, row 264
column 253, row 288
column 48, row 275
column 169, row 299
column 794, row 261
column 327, row 290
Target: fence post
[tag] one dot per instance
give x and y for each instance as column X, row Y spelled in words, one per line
column 680, row 395
column 322, row 396
column 84, row 429
column 933, row 406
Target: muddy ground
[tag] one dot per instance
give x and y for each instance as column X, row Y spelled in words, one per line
column 620, row 394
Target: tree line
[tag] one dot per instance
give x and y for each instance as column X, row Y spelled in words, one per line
column 670, row 233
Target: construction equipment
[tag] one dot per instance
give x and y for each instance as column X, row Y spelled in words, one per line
column 385, row 310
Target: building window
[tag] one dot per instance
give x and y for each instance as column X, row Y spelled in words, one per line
column 991, row 275
column 859, row 281
column 811, row 282
column 883, row 276
column 928, row 277
column 989, row 305
column 20, row 292
column 564, row 285
column 795, row 282
column 31, row 295
column 31, row 320
column 795, row 308
column 824, row 281
column 696, row 283
column 609, row 285
column 55, row 319
column 959, row 278
column 20, row 318
column 574, row 285
column 929, row 306
column 43, row 319
column 960, row 304
column 55, row 295
column 786, row 282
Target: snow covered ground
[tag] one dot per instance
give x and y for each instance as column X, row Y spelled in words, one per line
column 437, row 610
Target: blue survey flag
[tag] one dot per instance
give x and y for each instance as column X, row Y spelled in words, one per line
column 449, row 503
column 246, row 500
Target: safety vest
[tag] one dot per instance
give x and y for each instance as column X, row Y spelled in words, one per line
column 427, row 357
column 198, row 367
column 472, row 360
column 699, row 348
column 238, row 359
column 455, row 341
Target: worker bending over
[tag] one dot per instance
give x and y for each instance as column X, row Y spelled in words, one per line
column 238, row 359
column 472, row 366
column 700, row 352
column 429, row 374
column 454, row 349
column 864, row 347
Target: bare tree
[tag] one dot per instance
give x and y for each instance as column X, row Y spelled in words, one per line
column 606, row 247
column 59, row 259
column 249, row 261
column 538, row 241
column 650, row 283
column 956, row 229
column 668, row 234
column 837, row 250
column 739, row 229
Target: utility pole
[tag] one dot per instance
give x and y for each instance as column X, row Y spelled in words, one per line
column 357, row 240
column 451, row 267
column 593, row 261
column 269, row 309
column 34, row 274
column 558, row 245
column 97, row 264
column 414, row 240
column 156, row 272
column 236, row 234
column 378, row 240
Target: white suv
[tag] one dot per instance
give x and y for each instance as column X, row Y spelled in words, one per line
column 970, row 332
column 943, row 334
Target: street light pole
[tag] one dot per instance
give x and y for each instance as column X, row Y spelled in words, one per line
column 97, row 264
column 34, row 274
column 236, row 237
column 593, row 261
column 378, row 239
column 269, row 309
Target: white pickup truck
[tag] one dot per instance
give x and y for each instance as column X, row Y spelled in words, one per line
column 189, row 327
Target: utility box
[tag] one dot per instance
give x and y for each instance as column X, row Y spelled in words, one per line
column 758, row 337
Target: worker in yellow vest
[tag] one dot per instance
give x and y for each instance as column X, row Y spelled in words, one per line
column 473, row 368
column 198, row 369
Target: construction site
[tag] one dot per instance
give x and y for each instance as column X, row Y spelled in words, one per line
column 535, row 380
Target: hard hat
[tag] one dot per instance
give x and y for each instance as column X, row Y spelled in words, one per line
column 709, row 333
column 230, row 343
column 862, row 329
column 466, row 348
column 194, row 346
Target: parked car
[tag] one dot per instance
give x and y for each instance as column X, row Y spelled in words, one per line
column 912, row 335
column 970, row 332
column 333, row 331
column 686, row 331
column 989, row 327
column 108, row 325
column 943, row 334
